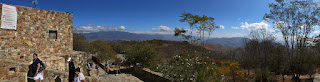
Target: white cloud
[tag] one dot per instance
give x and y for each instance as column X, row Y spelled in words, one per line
column 162, row 28
column 254, row 26
column 122, row 28
column 317, row 32
column 221, row 26
column 88, row 29
column 153, row 32
column 159, row 30
column 198, row 31
column 234, row 27
column 278, row 36
column 227, row 35
column 272, row 30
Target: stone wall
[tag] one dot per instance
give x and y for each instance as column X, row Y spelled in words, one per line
column 19, row 74
column 145, row 74
column 11, row 70
column 79, row 60
column 32, row 35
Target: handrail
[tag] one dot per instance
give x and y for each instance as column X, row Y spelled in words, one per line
column 97, row 61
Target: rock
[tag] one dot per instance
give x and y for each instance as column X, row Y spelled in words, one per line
column 3, row 70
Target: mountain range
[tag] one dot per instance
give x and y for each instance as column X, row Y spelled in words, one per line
column 118, row 36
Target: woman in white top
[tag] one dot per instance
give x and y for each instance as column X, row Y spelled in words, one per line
column 79, row 76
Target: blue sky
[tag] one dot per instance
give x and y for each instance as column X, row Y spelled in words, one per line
column 158, row 16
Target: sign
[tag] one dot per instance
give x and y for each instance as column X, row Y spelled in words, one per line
column 9, row 17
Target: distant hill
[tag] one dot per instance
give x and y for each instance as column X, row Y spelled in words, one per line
column 228, row 42
column 119, row 36
column 215, row 47
column 116, row 36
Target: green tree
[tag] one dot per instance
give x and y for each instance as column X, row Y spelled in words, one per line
column 190, row 19
column 80, row 43
column 182, row 32
column 118, row 47
column 204, row 24
column 231, row 71
column 140, row 53
column 103, row 50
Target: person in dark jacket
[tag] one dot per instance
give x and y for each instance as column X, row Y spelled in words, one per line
column 35, row 68
column 71, row 70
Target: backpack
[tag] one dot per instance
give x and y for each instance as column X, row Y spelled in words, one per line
column 42, row 67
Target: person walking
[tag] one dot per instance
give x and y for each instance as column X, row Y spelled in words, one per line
column 107, row 67
column 71, row 70
column 88, row 67
column 36, row 68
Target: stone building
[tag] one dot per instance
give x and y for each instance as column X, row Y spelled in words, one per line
column 47, row 33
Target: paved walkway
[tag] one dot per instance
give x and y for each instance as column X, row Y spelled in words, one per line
column 118, row 78
column 316, row 77
column 103, row 77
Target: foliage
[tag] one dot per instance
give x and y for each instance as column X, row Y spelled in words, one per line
column 182, row 32
column 188, row 66
column 265, row 56
column 79, row 42
column 210, row 74
column 204, row 24
column 103, row 50
column 231, row 71
column 140, row 53
column 296, row 20
column 118, row 47
column 264, row 75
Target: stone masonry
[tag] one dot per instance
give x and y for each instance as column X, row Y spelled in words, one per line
column 32, row 36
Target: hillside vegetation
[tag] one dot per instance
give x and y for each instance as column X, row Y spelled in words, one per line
column 261, row 59
column 163, row 56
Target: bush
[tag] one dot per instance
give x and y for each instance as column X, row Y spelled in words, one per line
column 104, row 51
column 140, row 53
column 189, row 66
column 231, row 71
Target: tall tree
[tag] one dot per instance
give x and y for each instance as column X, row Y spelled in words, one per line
column 205, row 26
column 262, row 54
column 295, row 19
column 190, row 19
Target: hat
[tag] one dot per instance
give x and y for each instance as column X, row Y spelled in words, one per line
column 77, row 69
column 69, row 59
